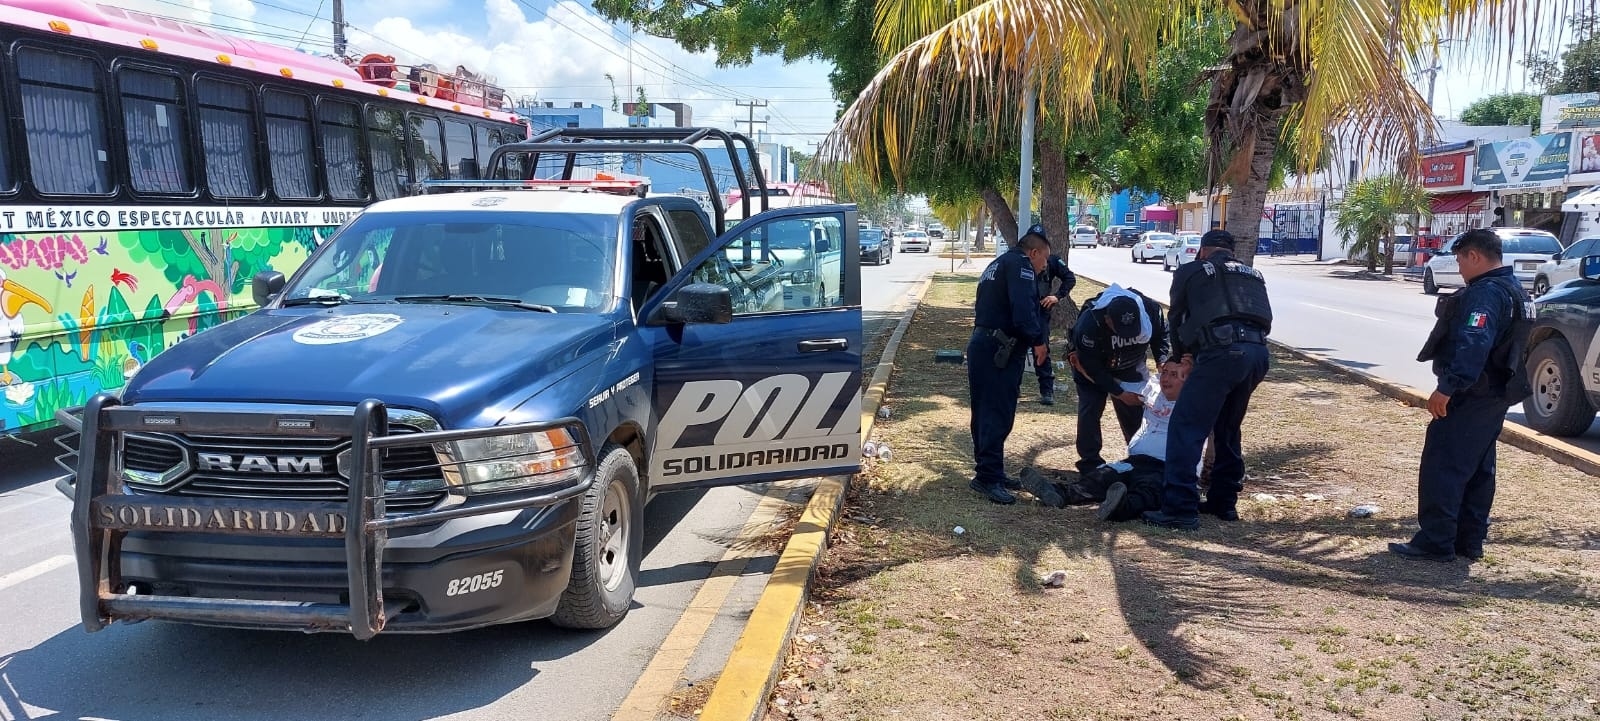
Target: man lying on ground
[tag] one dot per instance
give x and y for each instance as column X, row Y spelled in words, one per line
column 1127, row 488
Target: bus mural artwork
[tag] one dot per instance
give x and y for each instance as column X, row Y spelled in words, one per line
column 151, row 168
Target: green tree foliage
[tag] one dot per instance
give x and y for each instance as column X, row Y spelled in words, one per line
column 1369, row 212
column 1577, row 70
column 1504, row 109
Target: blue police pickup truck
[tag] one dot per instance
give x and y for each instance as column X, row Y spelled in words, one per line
column 1564, row 355
column 454, row 414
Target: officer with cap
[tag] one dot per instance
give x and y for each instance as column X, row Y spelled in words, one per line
column 1114, row 332
column 1220, row 319
column 1050, row 295
column 1007, row 324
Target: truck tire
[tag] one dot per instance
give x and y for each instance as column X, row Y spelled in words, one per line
column 1559, row 405
column 607, row 545
column 1541, row 285
column 1428, row 286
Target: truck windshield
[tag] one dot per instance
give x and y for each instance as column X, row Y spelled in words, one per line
column 564, row 261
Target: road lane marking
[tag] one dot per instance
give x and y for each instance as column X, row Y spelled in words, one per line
column 660, row 676
column 1346, row 312
column 31, row 572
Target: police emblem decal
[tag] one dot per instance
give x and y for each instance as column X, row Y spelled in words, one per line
column 1477, row 320
column 346, row 328
column 489, row 201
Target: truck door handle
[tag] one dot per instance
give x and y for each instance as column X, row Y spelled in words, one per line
column 818, row 345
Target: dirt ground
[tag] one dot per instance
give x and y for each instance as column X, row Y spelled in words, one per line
column 1296, row 612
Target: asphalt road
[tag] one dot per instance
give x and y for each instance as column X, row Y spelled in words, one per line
column 1373, row 325
column 51, row 668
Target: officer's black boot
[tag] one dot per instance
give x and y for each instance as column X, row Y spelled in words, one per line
column 1224, row 509
column 992, row 491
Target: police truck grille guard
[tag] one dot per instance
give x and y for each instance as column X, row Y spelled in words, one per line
column 103, row 513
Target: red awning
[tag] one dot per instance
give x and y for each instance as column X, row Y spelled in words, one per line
column 1159, row 213
column 1467, row 202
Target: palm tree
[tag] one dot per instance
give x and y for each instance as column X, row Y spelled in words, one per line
column 1311, row 64
column 1369, row 211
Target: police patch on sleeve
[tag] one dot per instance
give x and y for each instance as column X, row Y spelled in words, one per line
column 1027, row 273
column 346, row 328
column 1477, row 320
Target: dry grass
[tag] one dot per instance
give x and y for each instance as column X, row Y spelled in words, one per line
column 1296, row 612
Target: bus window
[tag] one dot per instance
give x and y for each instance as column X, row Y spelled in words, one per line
column 458, row 145
column 485, row 146
column 385, row 140
column 343, row 166
column 65, row 121
column 228, row 139
column 153, row 112
column 427, row 151
column 289, row 145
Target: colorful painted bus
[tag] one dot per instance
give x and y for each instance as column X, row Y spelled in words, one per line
column 150, row 168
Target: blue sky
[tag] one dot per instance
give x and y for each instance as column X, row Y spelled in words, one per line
column 560, row 50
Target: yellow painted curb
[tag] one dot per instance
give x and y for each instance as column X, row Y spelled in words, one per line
column 740, row 693
column 1514, row 435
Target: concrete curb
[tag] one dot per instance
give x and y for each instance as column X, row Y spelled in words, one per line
column 740, row 693
column 1514, row 435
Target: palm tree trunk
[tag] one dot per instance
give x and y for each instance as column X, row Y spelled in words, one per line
column 1053, row 195
column 1248, row 198
column 1388, row 253
column 1004, row 220
column 982, row 227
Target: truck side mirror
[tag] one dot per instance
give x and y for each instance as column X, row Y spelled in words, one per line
column 1556, row 257
column 266, row 284
column 1589, row 267
column 699, row 303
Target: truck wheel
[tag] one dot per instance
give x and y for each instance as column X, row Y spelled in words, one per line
column 1559, row 405
column 1428, row 286
column 607, row 545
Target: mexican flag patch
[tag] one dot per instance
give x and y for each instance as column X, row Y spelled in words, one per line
column 1477, row 320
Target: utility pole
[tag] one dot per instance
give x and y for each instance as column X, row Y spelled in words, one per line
column 1025, row 173
column 750, row 124
column 338, row 28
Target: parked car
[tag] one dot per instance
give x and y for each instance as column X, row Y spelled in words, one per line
column 1153, row 244
column 1523, row 249
column 875, row 246
column 1561, row 354
column 1127, row 235
column 1183, row 250
column 1085, row 236
column 1563, row 266
column 915, row 240
column 1109, row 237
column 935, row 231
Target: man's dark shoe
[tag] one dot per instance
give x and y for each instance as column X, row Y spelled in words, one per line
column 1113, row 501
column 1409, row 551
column 1077, row 494
column 993, row 492
column 1011, row 484
column 1471, row 554
column 1225, row 512
column 1048, row 399
column 1160, row 518
column 1042, row 489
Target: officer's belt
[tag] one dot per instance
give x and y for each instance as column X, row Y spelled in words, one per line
column 1241, row 334
column 987, row 329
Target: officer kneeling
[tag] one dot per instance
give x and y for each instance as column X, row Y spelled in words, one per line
column 1220, row 319
column 1006, row 326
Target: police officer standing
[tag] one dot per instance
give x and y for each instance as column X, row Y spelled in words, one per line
column 1007, row 324
column 1050, row 295
column 1114, row 332
column 1474, row 358
column 1220, row 319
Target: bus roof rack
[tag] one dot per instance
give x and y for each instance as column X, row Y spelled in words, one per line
column 608, row 185
column 570, row 142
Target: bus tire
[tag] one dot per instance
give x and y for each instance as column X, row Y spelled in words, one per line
column 607, row 546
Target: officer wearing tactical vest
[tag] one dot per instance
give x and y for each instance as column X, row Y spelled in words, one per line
column 1006, row 326
column 1220, row 320
column 1049, row 295
column 1114, row 333
column 1477, row 351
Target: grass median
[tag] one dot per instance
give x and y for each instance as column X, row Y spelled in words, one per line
column 1295, row 612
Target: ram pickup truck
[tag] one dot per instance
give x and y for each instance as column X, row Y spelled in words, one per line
column 1564, row 355
column 455, row 412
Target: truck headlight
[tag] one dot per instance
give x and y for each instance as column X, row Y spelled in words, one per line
column 802, row 277
column 519, row 461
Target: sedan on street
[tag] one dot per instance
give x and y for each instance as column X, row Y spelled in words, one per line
column 1523, row 249
column 1152, row 245
column 1185, row 249
column 1563, row 266
column 875, row 246
column 915, row 240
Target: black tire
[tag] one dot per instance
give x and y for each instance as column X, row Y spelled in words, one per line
column 601, row 588
column 1541, row 285
column 1560, row 404
column 1428, row 286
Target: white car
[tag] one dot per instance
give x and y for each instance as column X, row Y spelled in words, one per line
column 1153, row 244
column 1085, row 236
column 1523, row 249
column 915, row 240
column 1563, row 266
column 1184, row 249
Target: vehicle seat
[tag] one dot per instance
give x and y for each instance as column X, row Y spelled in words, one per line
column 649, row 268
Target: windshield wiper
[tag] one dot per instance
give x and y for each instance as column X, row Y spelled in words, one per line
column 317, row 300
column 461, row 298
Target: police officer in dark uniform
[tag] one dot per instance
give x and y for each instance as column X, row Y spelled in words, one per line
column 1050, row 295
column 1007, row 325
column 1114, row 332
column 1476, row 355
column 1220, row 320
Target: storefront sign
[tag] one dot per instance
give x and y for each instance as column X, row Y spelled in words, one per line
column 1578, row 110
column 1586, row 158
column 1445, row 171
column 81, row 218
column 1539, row 161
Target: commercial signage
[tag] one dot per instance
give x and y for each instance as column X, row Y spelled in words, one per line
column 1586, row 156
column 1577, row 110
column 1534, row 162
column 1445, row 171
